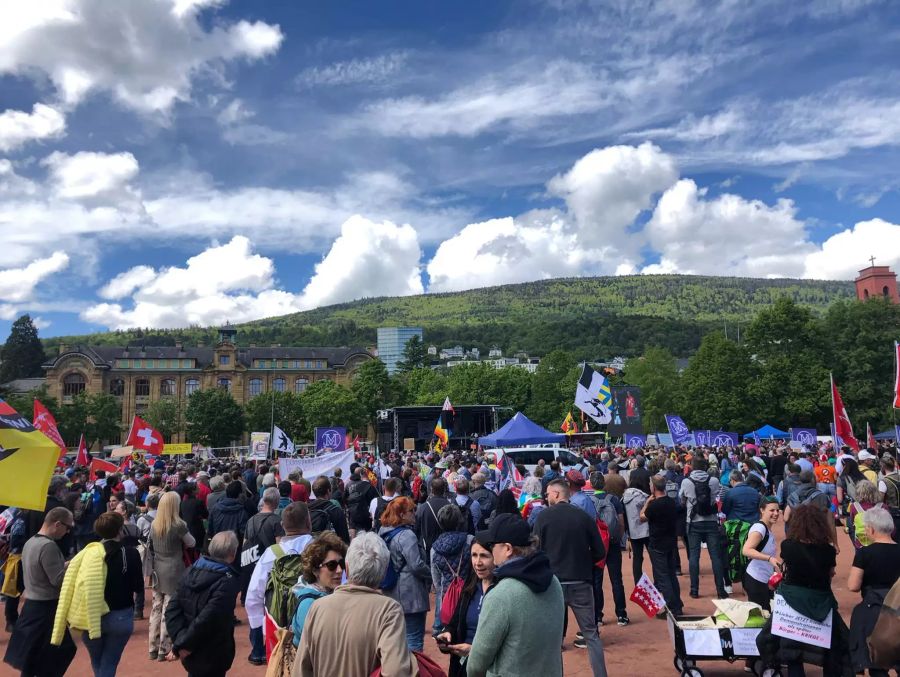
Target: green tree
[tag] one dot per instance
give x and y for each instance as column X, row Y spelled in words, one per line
column 482, row 384
column 213, row 418
column 714, row 386
column 424, row 386
column 325, row 403
column 22, row 353
column 166, row 415
column 24, row 403
column 373, row 388
column 657, row 376
column 861, row 338
column 99, row 417
column 287, row 413
column 788, row 346
column 414, row 355
column 553, row 389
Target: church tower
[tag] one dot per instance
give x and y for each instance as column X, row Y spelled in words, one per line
column 877, row 281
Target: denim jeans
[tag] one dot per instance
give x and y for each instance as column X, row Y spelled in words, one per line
column 438, row 594
column 257, row 644
column 664, row 577
column 106, row 651
column 614, row 571
column 415, row 630
column 708, row 531
column 580, row 598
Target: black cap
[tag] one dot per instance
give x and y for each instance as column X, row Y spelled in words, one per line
column 506, row 528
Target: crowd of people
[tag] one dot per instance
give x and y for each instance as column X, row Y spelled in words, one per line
column 338, row 574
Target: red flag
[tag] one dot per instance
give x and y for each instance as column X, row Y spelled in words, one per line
column 647, row 597
column 124, row 465
column 870, row 437
column 99, row 464
column 897, row 377
column 81, row 458
column 842, row 425
column 43, row 420
column 144, row 436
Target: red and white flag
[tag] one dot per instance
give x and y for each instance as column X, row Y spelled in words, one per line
column 871, row 442
column 897, row 377
column 144, row 436
column 842, row 426
column 447, row 406
column 43, row 420
column 81, row 458
column 105, row 466
column 125, row 465
column 647, row 597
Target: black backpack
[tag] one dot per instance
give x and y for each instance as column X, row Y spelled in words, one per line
column 466, row 511
column 320, row 520
column 379, row 509
column 357, row 506
column 703, row 507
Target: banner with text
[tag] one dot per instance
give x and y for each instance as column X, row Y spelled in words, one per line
column 325, row 464
column 259, row 446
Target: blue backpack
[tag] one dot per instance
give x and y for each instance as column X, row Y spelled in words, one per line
column 392, row 575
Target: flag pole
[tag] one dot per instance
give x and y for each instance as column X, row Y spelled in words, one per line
column 834, row 432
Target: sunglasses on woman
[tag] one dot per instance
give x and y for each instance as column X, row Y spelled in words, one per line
column 333, row 564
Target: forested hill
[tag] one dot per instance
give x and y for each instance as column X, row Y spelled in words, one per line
column 594, row 317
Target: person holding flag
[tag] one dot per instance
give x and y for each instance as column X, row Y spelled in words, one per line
column 27, row 460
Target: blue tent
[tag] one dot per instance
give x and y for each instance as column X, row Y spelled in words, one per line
column 886, row 435
column 768, row 432
column 518, row 431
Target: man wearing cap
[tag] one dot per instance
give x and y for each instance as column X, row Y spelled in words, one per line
column 579, row 498
column 867, row 465
column 521, row 621
column 572, row 543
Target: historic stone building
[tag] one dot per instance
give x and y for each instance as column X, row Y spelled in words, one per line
column 138, row 375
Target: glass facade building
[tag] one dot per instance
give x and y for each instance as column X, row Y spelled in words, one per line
column 392, row 342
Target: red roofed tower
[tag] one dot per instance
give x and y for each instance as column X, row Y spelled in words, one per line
column 877, row 281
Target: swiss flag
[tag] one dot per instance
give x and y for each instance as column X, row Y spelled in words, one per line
column 144, row 436
column 647, row 597
column 43, row 420
column 81, row 458
column 842, row 425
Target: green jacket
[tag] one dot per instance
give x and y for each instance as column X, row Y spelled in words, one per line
column 519, row 630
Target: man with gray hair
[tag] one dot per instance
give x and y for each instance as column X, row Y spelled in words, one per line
column 487, row 499
column 199, row 617
column 217, row 487
column 334, row 642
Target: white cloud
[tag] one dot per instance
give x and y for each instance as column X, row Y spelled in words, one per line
column 18, row 127
column 367, row 259
column 18, row 284
column 88, row 175
column 354, row 72
column 727, row 235
column 145, row 54
column 237, row 130
column 127, row 282
column 691, row 128
column 842, row 255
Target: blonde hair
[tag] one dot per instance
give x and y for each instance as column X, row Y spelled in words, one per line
column 167, row 514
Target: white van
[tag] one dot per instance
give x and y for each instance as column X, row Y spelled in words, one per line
column 530, row 456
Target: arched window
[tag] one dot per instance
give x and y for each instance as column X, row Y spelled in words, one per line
column 278, row 385
column 865, row 293
column 885, row 292
column 167, row 387
column 224, row 384
column 256, row 387
column 142, row 387
column 117, row 387
column 191, row 386
column 300, row 385
column 73, row 384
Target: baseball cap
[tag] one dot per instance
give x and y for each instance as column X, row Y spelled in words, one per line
column 575, row 477
column 864, row 455
column 506, row 528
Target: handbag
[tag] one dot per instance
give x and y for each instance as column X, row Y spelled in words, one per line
column 884, row 647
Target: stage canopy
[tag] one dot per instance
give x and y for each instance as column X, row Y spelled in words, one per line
column 768, row 432
column 518, row 431
column 886, row 435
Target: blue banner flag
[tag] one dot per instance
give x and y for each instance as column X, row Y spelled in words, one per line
column 719, row 438
column 805, row 436
column 635, row 441
column 838, row 442
column 703, row 438
column 678, row 429
column 331, row 439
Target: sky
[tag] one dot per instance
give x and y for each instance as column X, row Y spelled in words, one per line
column 167, row 163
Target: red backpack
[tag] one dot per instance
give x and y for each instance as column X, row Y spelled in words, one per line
column 604, row 536
column 427, row 667
column 450, row 600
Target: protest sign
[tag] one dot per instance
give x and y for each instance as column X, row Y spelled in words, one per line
column 791, row 624
column 324, row 464
column 259, row 446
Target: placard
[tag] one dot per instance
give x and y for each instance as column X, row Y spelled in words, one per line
column 743, row 641
column 259, row 446
column 702, row 643
column 178, row 449
column 409, row 444
column 786, row 622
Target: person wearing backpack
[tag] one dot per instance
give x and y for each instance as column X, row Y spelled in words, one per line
column 262, row 532
column 660, row 513
column 449, row 556
column 283, row 556
column 788, row 486
column 326, row 514
column 427, row 526
column 470, row 508
column 411, row 584
column 611, row 511
column 487, row 499
column 866, row 499
column 360, row 493
column 324, row 566
column 760, row 549
column 808, row 494
column 392, row 487
column 698, row 494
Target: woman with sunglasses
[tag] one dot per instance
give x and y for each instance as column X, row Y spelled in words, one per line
column 323, row 571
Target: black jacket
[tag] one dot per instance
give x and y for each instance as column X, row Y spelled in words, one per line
column 487, row 499
column 426, row 519
column 335, row 514
column 230, row 514
column 199, row 617
column 571, row 540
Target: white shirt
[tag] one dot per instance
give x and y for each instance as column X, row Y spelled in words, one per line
column 756, row 568
column 130, row 487
column 373, row 505
column 256, row 592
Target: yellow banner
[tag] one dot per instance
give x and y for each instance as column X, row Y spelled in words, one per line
column 27, row 460
column 184, row 448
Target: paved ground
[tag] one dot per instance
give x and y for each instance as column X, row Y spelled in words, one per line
column 642, row 648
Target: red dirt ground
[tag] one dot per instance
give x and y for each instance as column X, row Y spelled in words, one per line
column 642, row 648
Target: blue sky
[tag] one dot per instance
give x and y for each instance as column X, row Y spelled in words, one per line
column 175, row 162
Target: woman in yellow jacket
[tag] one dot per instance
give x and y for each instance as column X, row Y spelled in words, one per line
column 97, row 596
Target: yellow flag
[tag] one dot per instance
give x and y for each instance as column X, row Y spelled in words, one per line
column 27, row 460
